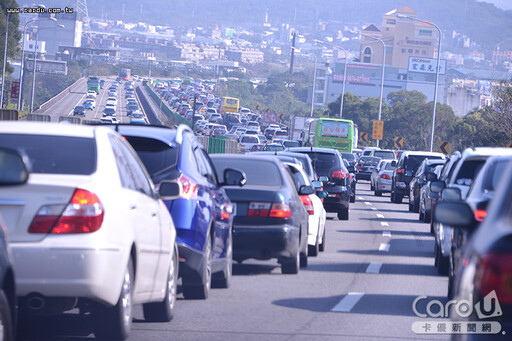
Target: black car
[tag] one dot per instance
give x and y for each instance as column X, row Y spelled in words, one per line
column 329, row 163
column 420, row 179
column 365, row 166
column 271, row 220
column 130, row 108
column 406, row 166
column 304, row 160
column 351, row 158
column 79, row 110
column 485, row 266
column 479, row 196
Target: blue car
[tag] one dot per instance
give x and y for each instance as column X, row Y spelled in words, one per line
column 203, row 215
column 89, row 105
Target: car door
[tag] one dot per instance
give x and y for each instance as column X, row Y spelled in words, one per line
column 145, row 216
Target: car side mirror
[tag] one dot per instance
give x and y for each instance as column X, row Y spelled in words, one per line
column 437, row 186
column 393, row 163
column 451, row 193
column 316, row 184
column 169, row 190
column 13, row 168
column 234, row 177
column 306, row 190
column 323, row 179
column 321, row 194
column 454, row 213
column 431, row 176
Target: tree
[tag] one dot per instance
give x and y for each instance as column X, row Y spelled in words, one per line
column 14, row 34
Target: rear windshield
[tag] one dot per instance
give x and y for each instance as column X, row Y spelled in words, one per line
column 384, row 154
column 468, row 172
column 496, row 171
column 281, row 133
column 50, row 154
column 290, row 144
column 257, row 172
column 250, row 139
column 348, row 156
column 273, row 148
column 156, row 155
column 412, row 162
column 389, row 167
column 369, row 160
column 324, row 163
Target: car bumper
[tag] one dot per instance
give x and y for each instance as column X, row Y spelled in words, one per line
column 384, row 186
column 401, row 188
column 72, row 271
column 363, row 176
column 337, row 200
column 265, row 242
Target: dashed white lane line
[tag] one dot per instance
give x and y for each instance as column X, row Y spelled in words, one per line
column 367, row 203
column 348, row 302
column 380, row 216
column 360, row 198
column 384, row 247
column 383, row 223
column 373, row 268
column 375, row 209
column 386, row 233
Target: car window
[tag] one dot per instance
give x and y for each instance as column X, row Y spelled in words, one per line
column 140, row 178
column 496, row 172
column 258, row 172
column 468, row 172
column 348, row 156
column 123, row 169
column 250, row 139
column 298, row 180
column 384, row 154
column 49, row 154
column 156, row 155
column 324, row 163
column 209, row 166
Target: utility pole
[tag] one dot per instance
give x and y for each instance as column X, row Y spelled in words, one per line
column 194, row 111
column 293, row 52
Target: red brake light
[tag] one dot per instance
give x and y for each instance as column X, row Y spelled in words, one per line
column 258, row 209
column 189, row 187
column 480, row 215
column 494, row 273
column 385, row 176
column 308, row 204
column 339, row 174
column 83, row 214
column 280, row 210
column 400, row 170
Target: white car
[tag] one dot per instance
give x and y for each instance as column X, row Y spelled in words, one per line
column 88, row 229
column 91, row 94
column 247, row 141
column 112, row 99
column 109, row 120
column 315, row 208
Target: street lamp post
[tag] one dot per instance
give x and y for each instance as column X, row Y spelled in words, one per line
column 35, row 65
column 314, row 79
column 5, row 61
column 382, row 76
column 437, row 74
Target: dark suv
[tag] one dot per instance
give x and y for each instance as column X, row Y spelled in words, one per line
column 406, row 166
column 329, row 163
column 203, row 215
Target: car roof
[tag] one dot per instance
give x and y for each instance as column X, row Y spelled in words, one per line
column 163, row 134
column 47, row 128
column 313, row 149
column 409, row 152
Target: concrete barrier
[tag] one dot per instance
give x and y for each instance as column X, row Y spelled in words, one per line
column 43, row 107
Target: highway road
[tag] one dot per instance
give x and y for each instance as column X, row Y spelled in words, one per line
column 361, row 288
column 65, row 106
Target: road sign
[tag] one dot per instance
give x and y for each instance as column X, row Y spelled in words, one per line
column 363, row 137
column 39, row 118
column 47, row 66
column 378, row 129
column 71, row 119
column 15, row 90
column 509, row 145
column 257, row 107
column 281, row 117
column 444, row 147
column 9, row 115
column 399, row 142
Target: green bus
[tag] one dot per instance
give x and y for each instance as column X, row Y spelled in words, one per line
column 331, row 133
column 93, row 83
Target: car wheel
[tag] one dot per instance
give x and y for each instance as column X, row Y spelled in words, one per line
column 6, row 323
column 303, row 259
column 441, row 262
column 314, row 249
column 410, row 207
column 372, row 187
column 223, row 279
column 322, row 245
column 164, row 311
column 416, row 206
column 427, row 216
column 398, row 199
column 114, row 323
column 421, row 216
column 201, row 292
column 378, row 193
column 291, row 266
column 343, row 214
column 353, row 196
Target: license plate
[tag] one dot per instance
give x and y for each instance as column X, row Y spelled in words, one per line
column 332, row 195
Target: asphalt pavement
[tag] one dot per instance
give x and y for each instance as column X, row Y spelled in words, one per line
column 361, row 288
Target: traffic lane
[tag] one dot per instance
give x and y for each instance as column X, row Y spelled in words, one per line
column 65, row 106
column 335, row 297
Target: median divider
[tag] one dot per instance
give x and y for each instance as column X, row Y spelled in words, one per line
column 172, row 115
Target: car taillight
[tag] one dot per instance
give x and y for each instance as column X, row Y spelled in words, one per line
column 400, row 170
column 339, row 174
column 280, row 210
column 494, row 272
column 385, row 176
column 225, row 211
column 480, row 215
column 189, row 187
column 83, row 214
column 308, row 204
column 268, row 209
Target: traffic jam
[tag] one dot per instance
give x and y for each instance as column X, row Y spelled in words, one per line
column 98, row 219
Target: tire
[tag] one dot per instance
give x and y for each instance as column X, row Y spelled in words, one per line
column 416, row 206
column 164, row 311
column 322, row 244
column 378, row 193
column 398, row 199
column 314, row 249
column 6, row 321
column 343, row 214
column 291, row 266
column 303, row 260
column 421, row 216
column 201, row 291
column 427, row 217
column 372, row 187
column 353, row 196
column 223, row 279
column 411, row 207
column 442, row 263
column 114, row 323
